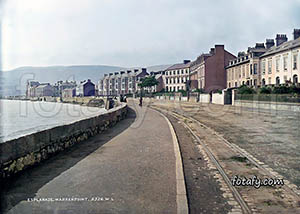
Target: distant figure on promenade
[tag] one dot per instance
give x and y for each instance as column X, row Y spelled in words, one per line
column 141, row 101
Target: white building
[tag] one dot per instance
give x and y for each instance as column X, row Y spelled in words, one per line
column 176, row 76
column 280, row 64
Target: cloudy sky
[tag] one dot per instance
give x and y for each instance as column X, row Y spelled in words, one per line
column 136, row 32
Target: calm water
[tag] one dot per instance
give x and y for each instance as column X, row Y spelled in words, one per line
column 19, row 118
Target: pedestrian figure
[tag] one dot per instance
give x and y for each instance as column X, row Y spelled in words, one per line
column 141, row 101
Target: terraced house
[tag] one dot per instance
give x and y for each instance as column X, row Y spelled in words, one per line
column 208, row 70
column 267, row 64
column 244, row 70
column 122, row 82
column 280, row 64
column 176, row 76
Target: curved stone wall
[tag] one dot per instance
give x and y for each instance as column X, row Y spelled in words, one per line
column 19, row 154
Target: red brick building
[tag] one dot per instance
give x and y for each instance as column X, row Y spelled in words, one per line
column 209, row 69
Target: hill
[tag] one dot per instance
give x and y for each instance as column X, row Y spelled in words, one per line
column 14, row 81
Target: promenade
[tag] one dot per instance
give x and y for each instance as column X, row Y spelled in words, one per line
column 130, row 168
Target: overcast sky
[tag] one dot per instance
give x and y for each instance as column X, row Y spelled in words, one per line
column 136, row 32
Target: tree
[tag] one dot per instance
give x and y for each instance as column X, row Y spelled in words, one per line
column 148, row 82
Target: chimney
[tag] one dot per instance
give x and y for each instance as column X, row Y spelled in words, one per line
column 122, row 72
column 136, row 70
column 116, row 73
column 296, row 33
column 259, row 45
column 270, row 43
column 128, row 71
column 186, row 61
column 240, row 54
column 212, row 51
column 281, row 38
column 144, row 69
column 219, row 48
column 110, row 74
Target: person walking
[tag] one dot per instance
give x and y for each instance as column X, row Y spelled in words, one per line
column 141, row 101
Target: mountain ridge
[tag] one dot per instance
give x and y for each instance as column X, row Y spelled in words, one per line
column 14, row 81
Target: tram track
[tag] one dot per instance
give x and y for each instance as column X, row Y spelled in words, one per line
column 186, row 120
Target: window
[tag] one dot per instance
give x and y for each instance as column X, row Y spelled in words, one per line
column 295, row 78
column 277, row 64
column 277, row 80
column 269, row 80
column 270, row 66
column 263, row 67
column 295, row 61
column 285, row 58
column 251, row 69
column 255, row 68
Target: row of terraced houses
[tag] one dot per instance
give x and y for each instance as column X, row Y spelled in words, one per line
column 274, row 62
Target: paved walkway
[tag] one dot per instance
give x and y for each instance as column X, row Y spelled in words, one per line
column 129, row 169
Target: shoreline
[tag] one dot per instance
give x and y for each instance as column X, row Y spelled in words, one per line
column 20, row 153
column 57, row 125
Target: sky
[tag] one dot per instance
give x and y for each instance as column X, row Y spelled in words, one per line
column 135, row 32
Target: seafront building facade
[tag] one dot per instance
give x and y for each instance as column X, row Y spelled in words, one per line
column 245, row 70
column 208, row 70
column 176, row 76
column 85, row 89
column 280, row 64
column 35, row 89
column 273, row 63
column 122, row 82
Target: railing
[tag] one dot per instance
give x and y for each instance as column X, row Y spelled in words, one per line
column 288, row 98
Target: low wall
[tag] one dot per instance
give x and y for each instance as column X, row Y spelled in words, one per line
column 218, row 98
column 204, row 98
column 18, row 154
column 268, row 105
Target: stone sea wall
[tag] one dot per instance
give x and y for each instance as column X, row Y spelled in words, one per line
column 18, row 154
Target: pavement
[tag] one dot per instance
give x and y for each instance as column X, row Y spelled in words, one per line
column 131, row 168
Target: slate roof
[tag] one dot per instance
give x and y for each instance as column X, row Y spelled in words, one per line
column 283, row 47
column 179, row 66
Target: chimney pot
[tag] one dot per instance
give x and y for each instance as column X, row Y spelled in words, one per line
column 269, row 43
column 281, row 38
column 296, row 33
